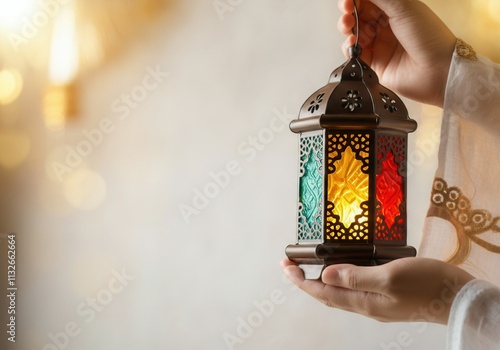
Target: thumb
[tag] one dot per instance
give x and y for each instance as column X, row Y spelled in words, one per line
column 392, row 8
column 360, row 278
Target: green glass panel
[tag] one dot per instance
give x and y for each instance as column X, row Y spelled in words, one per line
column 311, row 188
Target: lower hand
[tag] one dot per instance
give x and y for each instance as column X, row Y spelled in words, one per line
column 397, row 291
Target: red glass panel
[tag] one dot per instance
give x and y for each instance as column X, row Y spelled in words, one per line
column 389, row 189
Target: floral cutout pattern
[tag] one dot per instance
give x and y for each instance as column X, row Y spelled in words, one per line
column 352, row 101
column 314, row 105
column 389, row 103
column 450, row 204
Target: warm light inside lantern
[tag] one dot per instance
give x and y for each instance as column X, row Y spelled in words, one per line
column 348, row 187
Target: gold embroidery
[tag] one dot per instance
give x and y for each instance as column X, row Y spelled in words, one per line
column 450, row 204
column 466, row 51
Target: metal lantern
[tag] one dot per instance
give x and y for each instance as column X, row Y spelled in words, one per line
column 352, row 176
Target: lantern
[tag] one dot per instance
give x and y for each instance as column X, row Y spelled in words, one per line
column 352, row 172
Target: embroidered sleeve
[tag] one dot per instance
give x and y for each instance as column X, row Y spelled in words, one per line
column 463, row 222
column 464, row 50
column 473, row 87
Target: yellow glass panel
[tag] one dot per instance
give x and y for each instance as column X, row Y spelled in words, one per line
column 348, row 187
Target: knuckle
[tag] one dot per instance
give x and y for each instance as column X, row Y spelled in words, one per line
column 350, row 279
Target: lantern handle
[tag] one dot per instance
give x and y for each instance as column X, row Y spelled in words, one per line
column 357, row 23
column 355, row 51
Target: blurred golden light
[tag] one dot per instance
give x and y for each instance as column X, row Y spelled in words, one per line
column 60, row 98
column 494, row 9
column 11, row 84
column 11, row 12
column 84, row 189
column 14, row 148
column 59, row 104
column 64, row 51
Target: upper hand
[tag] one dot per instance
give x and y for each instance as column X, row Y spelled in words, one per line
column 406, row 44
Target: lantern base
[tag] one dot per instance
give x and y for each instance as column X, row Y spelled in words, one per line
column 313, row 258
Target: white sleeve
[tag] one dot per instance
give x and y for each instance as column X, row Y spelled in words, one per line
column 473, row 91
column 463, row 221
column 474, row 322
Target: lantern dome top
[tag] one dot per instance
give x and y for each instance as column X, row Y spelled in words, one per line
column 353, row 99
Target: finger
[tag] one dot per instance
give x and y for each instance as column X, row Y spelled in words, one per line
column 294, row 273
column 393, row 8
column 347, row 6
column 315, row 288
column 348, row 42
column 287, row 262
column 356, row 278
column 345, row 24
column 365, row 303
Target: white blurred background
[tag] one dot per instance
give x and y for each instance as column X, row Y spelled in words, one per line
column 116, row 247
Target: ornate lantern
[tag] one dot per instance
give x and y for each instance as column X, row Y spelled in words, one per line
column 352, row 176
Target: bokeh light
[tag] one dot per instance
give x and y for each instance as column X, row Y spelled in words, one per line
column 64, row 50
column 11, row 84
column 84, row 189
column 14, row 148
column 12, row 12
column 494, row 9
